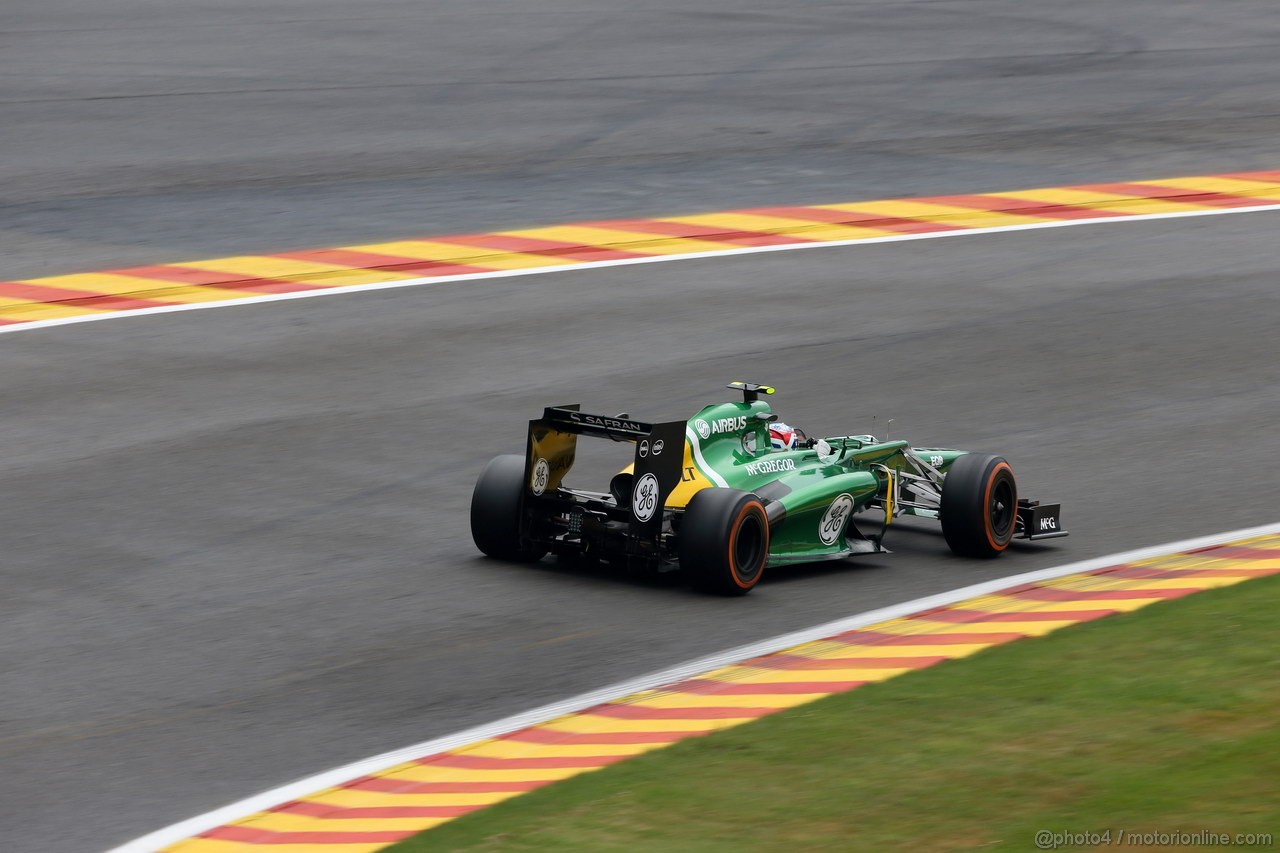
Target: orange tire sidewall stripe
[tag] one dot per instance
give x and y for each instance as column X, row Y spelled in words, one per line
column 986, row 502
column 733, row 541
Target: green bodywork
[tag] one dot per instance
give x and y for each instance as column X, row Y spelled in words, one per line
column 729, row 445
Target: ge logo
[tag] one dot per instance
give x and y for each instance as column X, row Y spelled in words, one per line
column 834, row 518
column 703, row 428
column 644, row 498
column 541, row 476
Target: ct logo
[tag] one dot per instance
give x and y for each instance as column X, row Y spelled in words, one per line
column 703, row 428
column 541, row 476
column 644, row 498
column 834, row 518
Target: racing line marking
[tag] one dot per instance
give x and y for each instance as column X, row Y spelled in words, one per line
column 371, row 804
column 86, row 297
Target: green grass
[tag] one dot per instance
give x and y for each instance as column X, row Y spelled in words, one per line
column 1164, row 719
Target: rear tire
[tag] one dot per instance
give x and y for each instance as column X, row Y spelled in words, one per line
column 724, row 541
column 495, row 511
column 979, row 508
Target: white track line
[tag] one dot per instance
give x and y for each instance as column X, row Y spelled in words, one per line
column 590, row 265
column 276, row 796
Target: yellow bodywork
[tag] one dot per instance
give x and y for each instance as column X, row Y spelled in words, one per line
column 558, row 448
column 691, row 481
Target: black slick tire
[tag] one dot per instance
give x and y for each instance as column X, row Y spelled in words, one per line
column 724, row 541
column 495, row 511
column 979, row 506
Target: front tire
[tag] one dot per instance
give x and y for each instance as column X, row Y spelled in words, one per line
column 979, row 507
column 495, row 511
column 724, row 541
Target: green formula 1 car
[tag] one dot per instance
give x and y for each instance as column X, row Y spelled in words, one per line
column 730, row 492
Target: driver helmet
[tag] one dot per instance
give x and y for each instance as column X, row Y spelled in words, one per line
column 784, row 437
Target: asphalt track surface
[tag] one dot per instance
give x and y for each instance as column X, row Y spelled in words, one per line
column 235, row 545
column 137, row 132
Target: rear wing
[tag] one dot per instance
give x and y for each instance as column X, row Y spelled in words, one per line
column 658, row 457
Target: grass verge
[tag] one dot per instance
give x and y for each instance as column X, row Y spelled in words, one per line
column 1161, row 720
